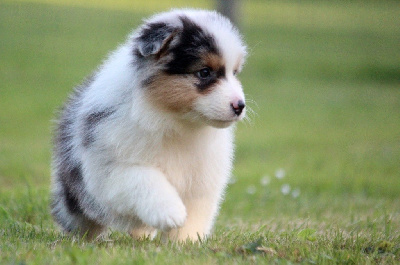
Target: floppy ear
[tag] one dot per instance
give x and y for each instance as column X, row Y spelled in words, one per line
column 155, row 38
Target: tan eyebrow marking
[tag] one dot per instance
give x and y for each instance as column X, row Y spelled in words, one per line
column 214, row 61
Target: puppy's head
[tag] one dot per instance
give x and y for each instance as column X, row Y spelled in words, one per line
column 188, row 62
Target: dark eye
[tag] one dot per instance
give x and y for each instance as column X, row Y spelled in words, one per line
column 235, row 72
column 204, row 73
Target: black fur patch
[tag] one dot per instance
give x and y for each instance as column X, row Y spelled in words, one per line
column 72, row 202
column 71, row 179
column 152, row 38
column 204, row 84
column 90, row 123
column 221, row 72
column 194, row 42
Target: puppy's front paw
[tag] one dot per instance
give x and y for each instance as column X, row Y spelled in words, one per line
column 168, row 215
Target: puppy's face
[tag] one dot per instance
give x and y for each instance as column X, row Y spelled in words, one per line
column 191, row 62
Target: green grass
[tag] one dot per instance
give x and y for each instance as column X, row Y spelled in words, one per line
column 323, row 78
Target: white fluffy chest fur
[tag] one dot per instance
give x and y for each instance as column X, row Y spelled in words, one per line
column 195, row 161
column 197, row 164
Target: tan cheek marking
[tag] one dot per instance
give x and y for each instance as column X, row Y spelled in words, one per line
column 172, row 92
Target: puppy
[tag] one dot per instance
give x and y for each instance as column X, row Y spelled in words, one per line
column 146, row 143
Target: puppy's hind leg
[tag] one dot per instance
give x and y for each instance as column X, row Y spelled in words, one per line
column 142, row 233
column 70, row 216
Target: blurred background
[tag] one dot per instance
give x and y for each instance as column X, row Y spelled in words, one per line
column 322, row 79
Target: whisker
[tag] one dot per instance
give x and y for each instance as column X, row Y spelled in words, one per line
column 248, row 119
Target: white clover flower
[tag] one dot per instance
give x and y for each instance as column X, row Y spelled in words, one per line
column 265, row 180
column 280, row 173
column 251, row 189
column 285, row 189
column 296, row 193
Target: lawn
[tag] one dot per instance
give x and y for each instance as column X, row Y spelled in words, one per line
column 317, row 167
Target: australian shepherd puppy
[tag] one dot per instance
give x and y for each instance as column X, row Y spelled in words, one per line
column 146, row 142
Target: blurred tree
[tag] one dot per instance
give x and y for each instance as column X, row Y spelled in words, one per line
column 230, row 9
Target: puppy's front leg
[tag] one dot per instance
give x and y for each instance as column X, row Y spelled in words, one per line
column 201, row 214
column 146, row 193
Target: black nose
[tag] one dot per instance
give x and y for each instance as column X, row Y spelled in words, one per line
column 238, row 107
